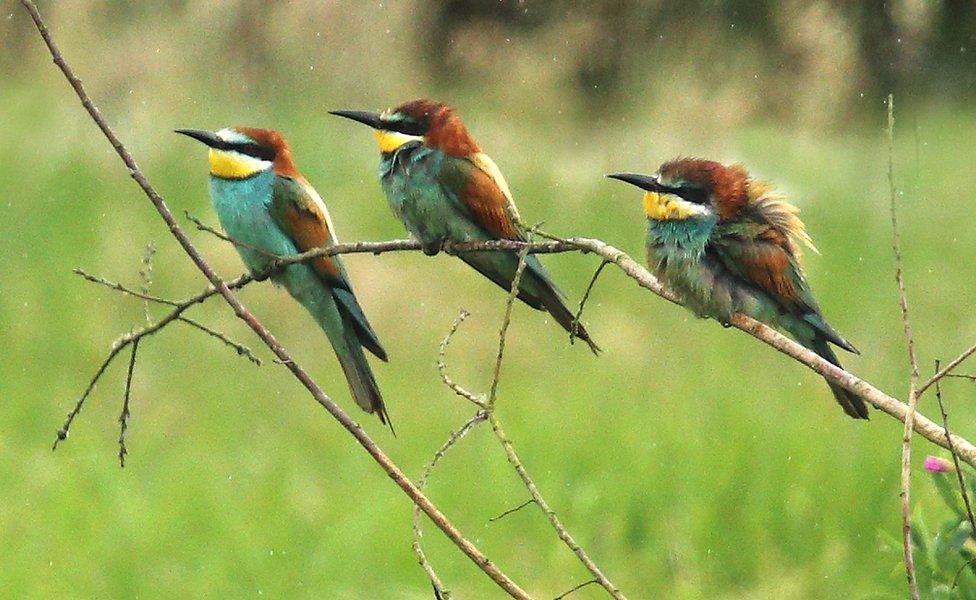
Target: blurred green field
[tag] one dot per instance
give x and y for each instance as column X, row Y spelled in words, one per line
column 689, row 460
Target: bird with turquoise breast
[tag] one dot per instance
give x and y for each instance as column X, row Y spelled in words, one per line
column 269, row 210
column 726, row 243
column 445, row 189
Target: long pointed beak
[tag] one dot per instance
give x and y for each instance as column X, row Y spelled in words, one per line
column 200, row 135
column 366, row 118
column 645, row 182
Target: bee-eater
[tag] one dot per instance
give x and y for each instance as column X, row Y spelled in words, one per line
column 264, row 203
column 726, row 243
column 444, row 188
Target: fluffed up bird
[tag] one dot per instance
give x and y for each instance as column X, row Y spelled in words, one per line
column 264, row 203
column 727, row 243
column 444, row 188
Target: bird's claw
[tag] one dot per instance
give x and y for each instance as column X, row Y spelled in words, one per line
column 433, row 248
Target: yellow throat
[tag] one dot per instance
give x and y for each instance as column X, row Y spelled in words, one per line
column 234, row 165
column 667, row 207
column 389, row 141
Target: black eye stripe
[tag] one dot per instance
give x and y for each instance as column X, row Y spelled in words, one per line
column 250, row 149
column 255, row 150
column 406, row 127
column 694, row 195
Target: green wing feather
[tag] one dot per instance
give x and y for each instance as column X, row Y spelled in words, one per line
column 300, row 213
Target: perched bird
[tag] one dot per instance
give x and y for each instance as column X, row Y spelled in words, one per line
column 727, row 243
column 444, row 188
column 265, row 204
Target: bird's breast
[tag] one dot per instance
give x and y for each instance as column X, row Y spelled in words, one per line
column 242, row 208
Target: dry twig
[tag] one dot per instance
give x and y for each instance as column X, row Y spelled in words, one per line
column 582, row 302
column 510, row 511
column 124, row 415
column 453, row 439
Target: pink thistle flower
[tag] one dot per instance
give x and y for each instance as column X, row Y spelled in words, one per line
column 934, row 464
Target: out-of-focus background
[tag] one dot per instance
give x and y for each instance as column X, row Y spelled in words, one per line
column 689, row 460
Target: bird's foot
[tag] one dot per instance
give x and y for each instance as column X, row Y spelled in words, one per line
column 432, row 248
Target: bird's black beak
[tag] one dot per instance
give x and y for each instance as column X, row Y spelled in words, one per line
column 645, row 182
column 200, row 135
column 362, row 116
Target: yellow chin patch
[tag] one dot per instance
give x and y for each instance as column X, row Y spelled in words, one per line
column 391, row 140
column 667, row 207
column 233, row 165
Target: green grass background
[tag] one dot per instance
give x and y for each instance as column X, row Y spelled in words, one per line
column 689, row 460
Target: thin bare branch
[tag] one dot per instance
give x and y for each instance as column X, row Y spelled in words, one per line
column 575, row 588
column 506, row 321
column 145, row 273
column 962, row 376
column 442, row 363
column 114, row 285
column 62, row 433
column 906, row 451
column 469, row 549
column 241, row 349
column 453, row 439
column 515, row 509
column 124, row 415
column 955, row 459
column 946, row 372
column 554, row 521
column 586, row 296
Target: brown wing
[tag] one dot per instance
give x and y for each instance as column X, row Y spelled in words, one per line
column 769, row 264
column 299, row 212
column 487, row 196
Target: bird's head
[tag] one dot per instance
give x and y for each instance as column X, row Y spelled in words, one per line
column 243, row 152
column 433, row 124
column 685, row 188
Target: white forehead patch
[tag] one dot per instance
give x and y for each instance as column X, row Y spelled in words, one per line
column 229, row 135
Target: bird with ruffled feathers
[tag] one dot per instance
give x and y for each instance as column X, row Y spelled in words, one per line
column 726, row 243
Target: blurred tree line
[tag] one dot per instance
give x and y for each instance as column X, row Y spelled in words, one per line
column 818, row 62
column 910, row 47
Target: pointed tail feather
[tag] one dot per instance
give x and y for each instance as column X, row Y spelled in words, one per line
column 362, row 384
column 853, row 406
column 345, row 335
